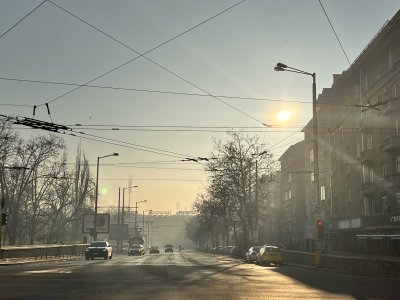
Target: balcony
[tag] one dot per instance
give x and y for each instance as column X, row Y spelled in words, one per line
column 366, row 124
column 392, row 106
column 366, row 157
column 391, row 181
column 391, row 144
column 368, row 189
column 371, row 123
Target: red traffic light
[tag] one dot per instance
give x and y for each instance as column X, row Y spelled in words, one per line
column 320, row 223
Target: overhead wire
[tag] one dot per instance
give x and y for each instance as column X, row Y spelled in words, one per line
column 151, row 60
column 334, row 31
column 23, row 18
column 161, row 92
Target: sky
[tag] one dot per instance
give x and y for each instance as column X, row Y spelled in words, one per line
column 232, row 54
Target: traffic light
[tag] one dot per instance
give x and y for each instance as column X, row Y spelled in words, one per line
column 4, row 218
column 320, row 229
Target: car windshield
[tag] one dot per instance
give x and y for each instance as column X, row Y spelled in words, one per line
column 212, row 127
column 98, row 244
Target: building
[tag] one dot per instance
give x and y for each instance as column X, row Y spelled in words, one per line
column 293, row 204
column 359, row 155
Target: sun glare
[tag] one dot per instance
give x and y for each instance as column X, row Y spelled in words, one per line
column 104, row 191
column 284, row 115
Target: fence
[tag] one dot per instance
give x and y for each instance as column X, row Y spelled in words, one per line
column 386, row 267
column 44, row 252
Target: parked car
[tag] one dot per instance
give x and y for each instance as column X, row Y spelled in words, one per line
column 154, row 249
column 169, row 248
column 251, row 254
column 136, row 249
column 99, row 249
column 270, row 254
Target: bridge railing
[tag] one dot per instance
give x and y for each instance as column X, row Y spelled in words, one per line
column 43, row 252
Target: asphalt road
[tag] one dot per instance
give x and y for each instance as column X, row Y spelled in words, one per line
column 187, row 275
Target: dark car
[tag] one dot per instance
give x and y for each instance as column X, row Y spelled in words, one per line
column 136, row 250
column 154, row 249
column 169, row 248
column 99, row 249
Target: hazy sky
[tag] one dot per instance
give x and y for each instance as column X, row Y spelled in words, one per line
column 233, row 55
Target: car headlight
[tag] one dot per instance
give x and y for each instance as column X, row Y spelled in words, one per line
column 104, row 250
column 87, row 250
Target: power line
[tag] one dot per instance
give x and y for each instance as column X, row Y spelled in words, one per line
column 162, row 92
column 334, row 31
column 150, row 60
column 149, row 91
column 23, row 18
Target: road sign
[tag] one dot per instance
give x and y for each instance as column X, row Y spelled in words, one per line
column 102, row 223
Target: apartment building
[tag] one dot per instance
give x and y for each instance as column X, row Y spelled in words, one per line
column 359, row 153
column 293, row 204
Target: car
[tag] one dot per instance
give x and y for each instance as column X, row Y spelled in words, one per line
column 270, row 254
column 101, row 249
column 136, row 249
column 251, row 254
column 154, row 249
column 169, row 248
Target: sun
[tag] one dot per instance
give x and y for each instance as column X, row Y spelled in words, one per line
column 284, row 115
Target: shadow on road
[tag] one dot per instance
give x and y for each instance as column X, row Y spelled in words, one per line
column 359, row 287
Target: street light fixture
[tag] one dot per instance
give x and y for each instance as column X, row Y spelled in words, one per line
column 97, row 192
column 123, row 205
column 283, row 67
column 136, row 207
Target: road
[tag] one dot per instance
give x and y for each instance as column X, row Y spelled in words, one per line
column 187, row 275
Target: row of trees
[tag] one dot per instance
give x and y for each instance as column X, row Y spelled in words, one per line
column 238, row 197
column 43, row 198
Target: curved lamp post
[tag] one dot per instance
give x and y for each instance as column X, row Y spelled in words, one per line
column 97, row 192
column 283, row 67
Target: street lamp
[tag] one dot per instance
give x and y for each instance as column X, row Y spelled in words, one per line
column 136, row 207
column 97, row 192
column 123, row 207
column 283, row 67
column 148, row 233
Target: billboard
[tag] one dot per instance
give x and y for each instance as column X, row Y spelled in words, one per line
column 102, row 223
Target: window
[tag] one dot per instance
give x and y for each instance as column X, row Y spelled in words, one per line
column 369, row 141
column 396, row 124
column 323, row 197
column 397, row 164
column 359, row 148
column 384, row 169
column 290, row 194
column 398, row 201
column 290, row 177
column 349, row 195
column 391, row 57
column 394, row 91
column 312, row 177
column 371, row 175
column 311, row 156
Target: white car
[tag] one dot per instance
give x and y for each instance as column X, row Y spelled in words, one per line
column 251, row 254
column 101, row 249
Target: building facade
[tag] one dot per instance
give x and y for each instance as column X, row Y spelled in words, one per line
column 359, row 153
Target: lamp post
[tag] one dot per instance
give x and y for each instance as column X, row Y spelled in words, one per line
column 283, row 67
column 149, row 210
column 97, row 192
column 123, row 210
column 136, row 207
